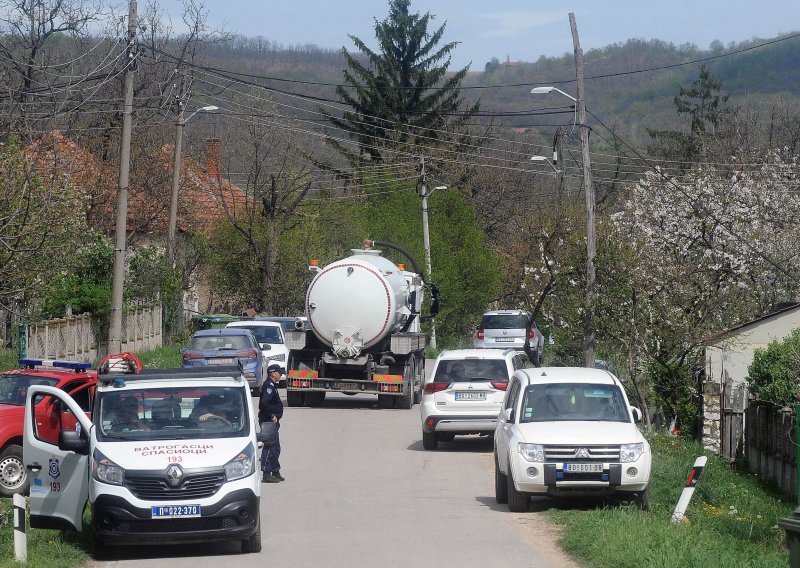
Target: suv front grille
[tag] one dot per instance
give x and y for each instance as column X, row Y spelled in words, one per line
column 194, row 486
column 569, row 453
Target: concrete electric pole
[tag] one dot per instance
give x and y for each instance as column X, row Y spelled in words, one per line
column 587, row 181
column 120, row 241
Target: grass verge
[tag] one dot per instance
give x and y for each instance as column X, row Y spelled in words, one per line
column 732, row 520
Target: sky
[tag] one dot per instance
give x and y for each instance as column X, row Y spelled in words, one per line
column 520, row 30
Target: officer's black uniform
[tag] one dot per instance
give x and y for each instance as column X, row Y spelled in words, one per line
column 270, row 405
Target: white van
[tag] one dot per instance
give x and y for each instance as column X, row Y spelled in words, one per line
column 168, row 456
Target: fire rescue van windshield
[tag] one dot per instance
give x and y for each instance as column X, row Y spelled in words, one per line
column 167, row 456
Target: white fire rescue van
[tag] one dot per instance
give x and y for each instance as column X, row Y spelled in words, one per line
column 168, row 456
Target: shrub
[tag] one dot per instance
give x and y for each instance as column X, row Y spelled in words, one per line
column 774, row 372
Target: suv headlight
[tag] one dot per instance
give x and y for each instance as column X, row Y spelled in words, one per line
column 105, row 470
column 242, row 465
column 630, row 452
column 532, row 452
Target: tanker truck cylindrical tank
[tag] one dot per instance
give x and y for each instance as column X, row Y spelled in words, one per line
column 354, row 303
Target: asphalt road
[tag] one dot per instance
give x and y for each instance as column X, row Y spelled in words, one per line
column 361, row 491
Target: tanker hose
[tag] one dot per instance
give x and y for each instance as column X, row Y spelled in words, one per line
column 387, row 360
column 397, row 248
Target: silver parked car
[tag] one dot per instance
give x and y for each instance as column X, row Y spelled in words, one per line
column 510, row 329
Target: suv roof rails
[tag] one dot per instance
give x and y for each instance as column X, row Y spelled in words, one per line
column 232, row 371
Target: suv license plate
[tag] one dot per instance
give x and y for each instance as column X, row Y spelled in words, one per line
column 504, row 339
column 348, row 386
column 461, row 395
column 174, row 511
column 583, row 467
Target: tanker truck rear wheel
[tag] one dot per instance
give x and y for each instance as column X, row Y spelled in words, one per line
column 294, row 398
column 385, row 401
column 314, row 399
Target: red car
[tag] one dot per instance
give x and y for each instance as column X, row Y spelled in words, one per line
column 75, row 378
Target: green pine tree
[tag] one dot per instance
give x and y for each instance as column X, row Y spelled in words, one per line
column 400, row 95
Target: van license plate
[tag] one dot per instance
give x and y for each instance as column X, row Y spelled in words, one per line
column 470, row 395
column 175, row 511
column 583, row 467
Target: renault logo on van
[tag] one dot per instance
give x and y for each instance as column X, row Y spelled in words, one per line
column 174, row 475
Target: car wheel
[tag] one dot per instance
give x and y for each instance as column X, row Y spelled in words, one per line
column 518, row 502
column 643, row 499
column 253, row 544
column 13, row 478
column 500, row 481
column 430, row 440
column 294, row 398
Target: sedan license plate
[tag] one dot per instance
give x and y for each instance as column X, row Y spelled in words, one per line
column 466, row 395
column 174, row 511
column 221, row 361
column 348, row 386
column 583, row 467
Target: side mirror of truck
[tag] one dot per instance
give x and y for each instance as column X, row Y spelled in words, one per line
column 434, row 299
column 72, row 441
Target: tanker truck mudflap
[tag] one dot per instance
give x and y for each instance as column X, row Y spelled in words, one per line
column 363, row 335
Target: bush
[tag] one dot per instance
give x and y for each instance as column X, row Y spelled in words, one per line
column 773, row 374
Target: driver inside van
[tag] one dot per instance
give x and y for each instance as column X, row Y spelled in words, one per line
column 126, row 414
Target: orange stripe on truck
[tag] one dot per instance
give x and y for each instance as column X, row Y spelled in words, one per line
column 294, row 374
column 387, row 378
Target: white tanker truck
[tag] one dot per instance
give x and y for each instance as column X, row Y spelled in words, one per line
column 363, row 331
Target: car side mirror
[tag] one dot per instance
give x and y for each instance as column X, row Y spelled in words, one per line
column 508, row 414
column 434, row 299
column 184, row 349
column 266, row 346
column 72, row 441
column 637, row 414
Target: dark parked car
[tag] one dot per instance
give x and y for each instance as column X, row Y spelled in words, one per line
column 227, row 347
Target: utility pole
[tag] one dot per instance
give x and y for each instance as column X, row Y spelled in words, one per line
column 176, row 178
column 115, row 328
column 426, row 237
column 588, row 322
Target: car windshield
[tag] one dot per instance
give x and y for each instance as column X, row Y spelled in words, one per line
column 448, row 371
column 14, row 387
column 220, row 343
column 265, row 334
column 182, row 413
column 558, row 402
column 504, row 321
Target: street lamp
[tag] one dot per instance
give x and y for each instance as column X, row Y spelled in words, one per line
column 580, row 110
column 176, row 177
column 545, row 159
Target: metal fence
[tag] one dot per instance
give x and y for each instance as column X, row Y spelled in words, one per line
column 74, row 337
column 771, row 445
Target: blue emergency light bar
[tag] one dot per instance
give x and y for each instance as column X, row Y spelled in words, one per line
column 55, row 364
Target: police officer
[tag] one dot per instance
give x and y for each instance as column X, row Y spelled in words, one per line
column 270, row 409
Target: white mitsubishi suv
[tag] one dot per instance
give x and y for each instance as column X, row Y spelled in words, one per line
column 569, row 431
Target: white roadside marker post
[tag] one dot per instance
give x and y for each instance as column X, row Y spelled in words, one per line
column 688, row 489
column 20, row 538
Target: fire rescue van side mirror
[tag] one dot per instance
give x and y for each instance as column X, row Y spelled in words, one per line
column 72, row 441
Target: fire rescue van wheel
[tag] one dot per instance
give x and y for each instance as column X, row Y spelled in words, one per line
column 253, row 544
column 13, row 478
column 430, row 441
column 518, row 502
column 294, row 398
column 500, row 484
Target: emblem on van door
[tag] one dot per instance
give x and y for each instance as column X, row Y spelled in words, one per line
column 174, row 475
column 582, row 453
